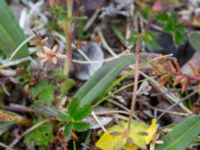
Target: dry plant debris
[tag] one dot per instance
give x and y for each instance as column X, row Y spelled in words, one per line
column 111, row 74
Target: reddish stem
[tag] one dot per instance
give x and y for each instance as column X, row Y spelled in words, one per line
column 136, row 77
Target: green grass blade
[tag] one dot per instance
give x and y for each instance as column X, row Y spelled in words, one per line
column 182, row 135
column 102, row 79
column 11, row 35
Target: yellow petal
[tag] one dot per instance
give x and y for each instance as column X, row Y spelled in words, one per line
column 131, row 147
column 151, row 132
column 109, row 142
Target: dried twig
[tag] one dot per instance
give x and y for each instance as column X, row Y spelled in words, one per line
column 98, row 121
column 5, row 146
column 105, row 44
column 177, row 103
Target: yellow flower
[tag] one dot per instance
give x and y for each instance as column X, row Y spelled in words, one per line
column 119, row 137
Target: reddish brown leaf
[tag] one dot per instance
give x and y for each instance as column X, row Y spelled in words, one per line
column 185, row 84
column 178, row 80
column 194, row 70
column 157, row 6
column 51, row 3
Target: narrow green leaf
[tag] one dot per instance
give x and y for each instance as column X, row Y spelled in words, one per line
column 113, row 84
column 6, row 124
column 194, row 38
column 182, row 135
column 73, row 106
column 80, row 126
column 82, row 113
column 119, row 35
column 11, row 34
column 102, row 79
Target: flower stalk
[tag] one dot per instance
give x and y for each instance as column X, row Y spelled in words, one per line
column 68, row 28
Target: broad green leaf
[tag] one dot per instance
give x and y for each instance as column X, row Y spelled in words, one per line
column 171, row 23
column 179, row 37
column 80, row 126
column 194, row 38
column 173, row 18
column 102, row 79
column 64, row 116
column 162, row 17
column 169, row 27
column 146, row 12
column 150, row 40
column 182, row 135
column 73, row 106
column 44, row 91
column 47, row 95
column 41, row 135
column 11, row 35
column 82, row 112
column 134, row 39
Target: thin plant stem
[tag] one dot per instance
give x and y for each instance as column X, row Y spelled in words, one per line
column 99, row 122
column 136, row 76
column 20, row 46
column 5, row 146
column 134, row 96
column 67, row 26
column 74, row 145
column 175, row 104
